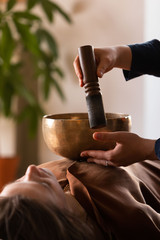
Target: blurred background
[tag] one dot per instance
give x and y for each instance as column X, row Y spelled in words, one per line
column 99, row 23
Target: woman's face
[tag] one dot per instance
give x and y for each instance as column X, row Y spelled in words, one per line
column 39, row 184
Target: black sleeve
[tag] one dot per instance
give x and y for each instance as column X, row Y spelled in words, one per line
column 145, row 59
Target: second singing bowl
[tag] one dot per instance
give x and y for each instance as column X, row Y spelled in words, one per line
column 69, row 134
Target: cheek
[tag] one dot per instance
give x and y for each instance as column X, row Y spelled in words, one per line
column 60, row 197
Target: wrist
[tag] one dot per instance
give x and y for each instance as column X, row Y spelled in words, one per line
column 124, row 57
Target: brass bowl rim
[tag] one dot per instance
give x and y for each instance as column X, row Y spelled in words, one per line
column 82, row 116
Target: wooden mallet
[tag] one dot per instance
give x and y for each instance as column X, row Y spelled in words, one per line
column 96, row 115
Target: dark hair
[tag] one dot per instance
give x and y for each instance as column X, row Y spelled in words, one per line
column 26, row 219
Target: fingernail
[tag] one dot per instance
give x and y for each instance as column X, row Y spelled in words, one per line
column 97, row 135
column 100, row 73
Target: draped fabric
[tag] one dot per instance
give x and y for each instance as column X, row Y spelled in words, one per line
column 124, row 201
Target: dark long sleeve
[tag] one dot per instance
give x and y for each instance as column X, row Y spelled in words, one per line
column 145, row 59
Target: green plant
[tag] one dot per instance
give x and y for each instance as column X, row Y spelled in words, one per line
column 23, row 31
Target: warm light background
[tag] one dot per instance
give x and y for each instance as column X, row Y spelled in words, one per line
column 102, row 23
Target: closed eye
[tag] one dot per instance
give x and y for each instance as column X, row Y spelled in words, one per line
column 45, row 184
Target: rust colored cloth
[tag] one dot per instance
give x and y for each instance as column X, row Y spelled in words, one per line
column 124, row 201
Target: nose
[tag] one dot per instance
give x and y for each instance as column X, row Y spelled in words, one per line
column 32, row 172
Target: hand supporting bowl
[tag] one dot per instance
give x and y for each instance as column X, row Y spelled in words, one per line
column 69, row 134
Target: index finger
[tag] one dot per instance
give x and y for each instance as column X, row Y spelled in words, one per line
column 78, row 71
column 111, row 136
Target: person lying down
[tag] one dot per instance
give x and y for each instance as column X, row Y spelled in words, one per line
column 66, row 199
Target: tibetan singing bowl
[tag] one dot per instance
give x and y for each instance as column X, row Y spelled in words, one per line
column 69, row 134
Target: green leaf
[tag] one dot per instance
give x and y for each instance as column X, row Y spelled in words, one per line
column 1, row 18
column 31, row 4
column 61, row 11
column 6, row 97
column 46, row 87
column 28, row 38
column 9, row 77
column 49, row 80
column 11, row 80
column 10, row 4
column 58, row 71
column 26, row 15
column 7, row 45
column 58, row 88
column 25, row 93
column 44, row 35
column 47, row 8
